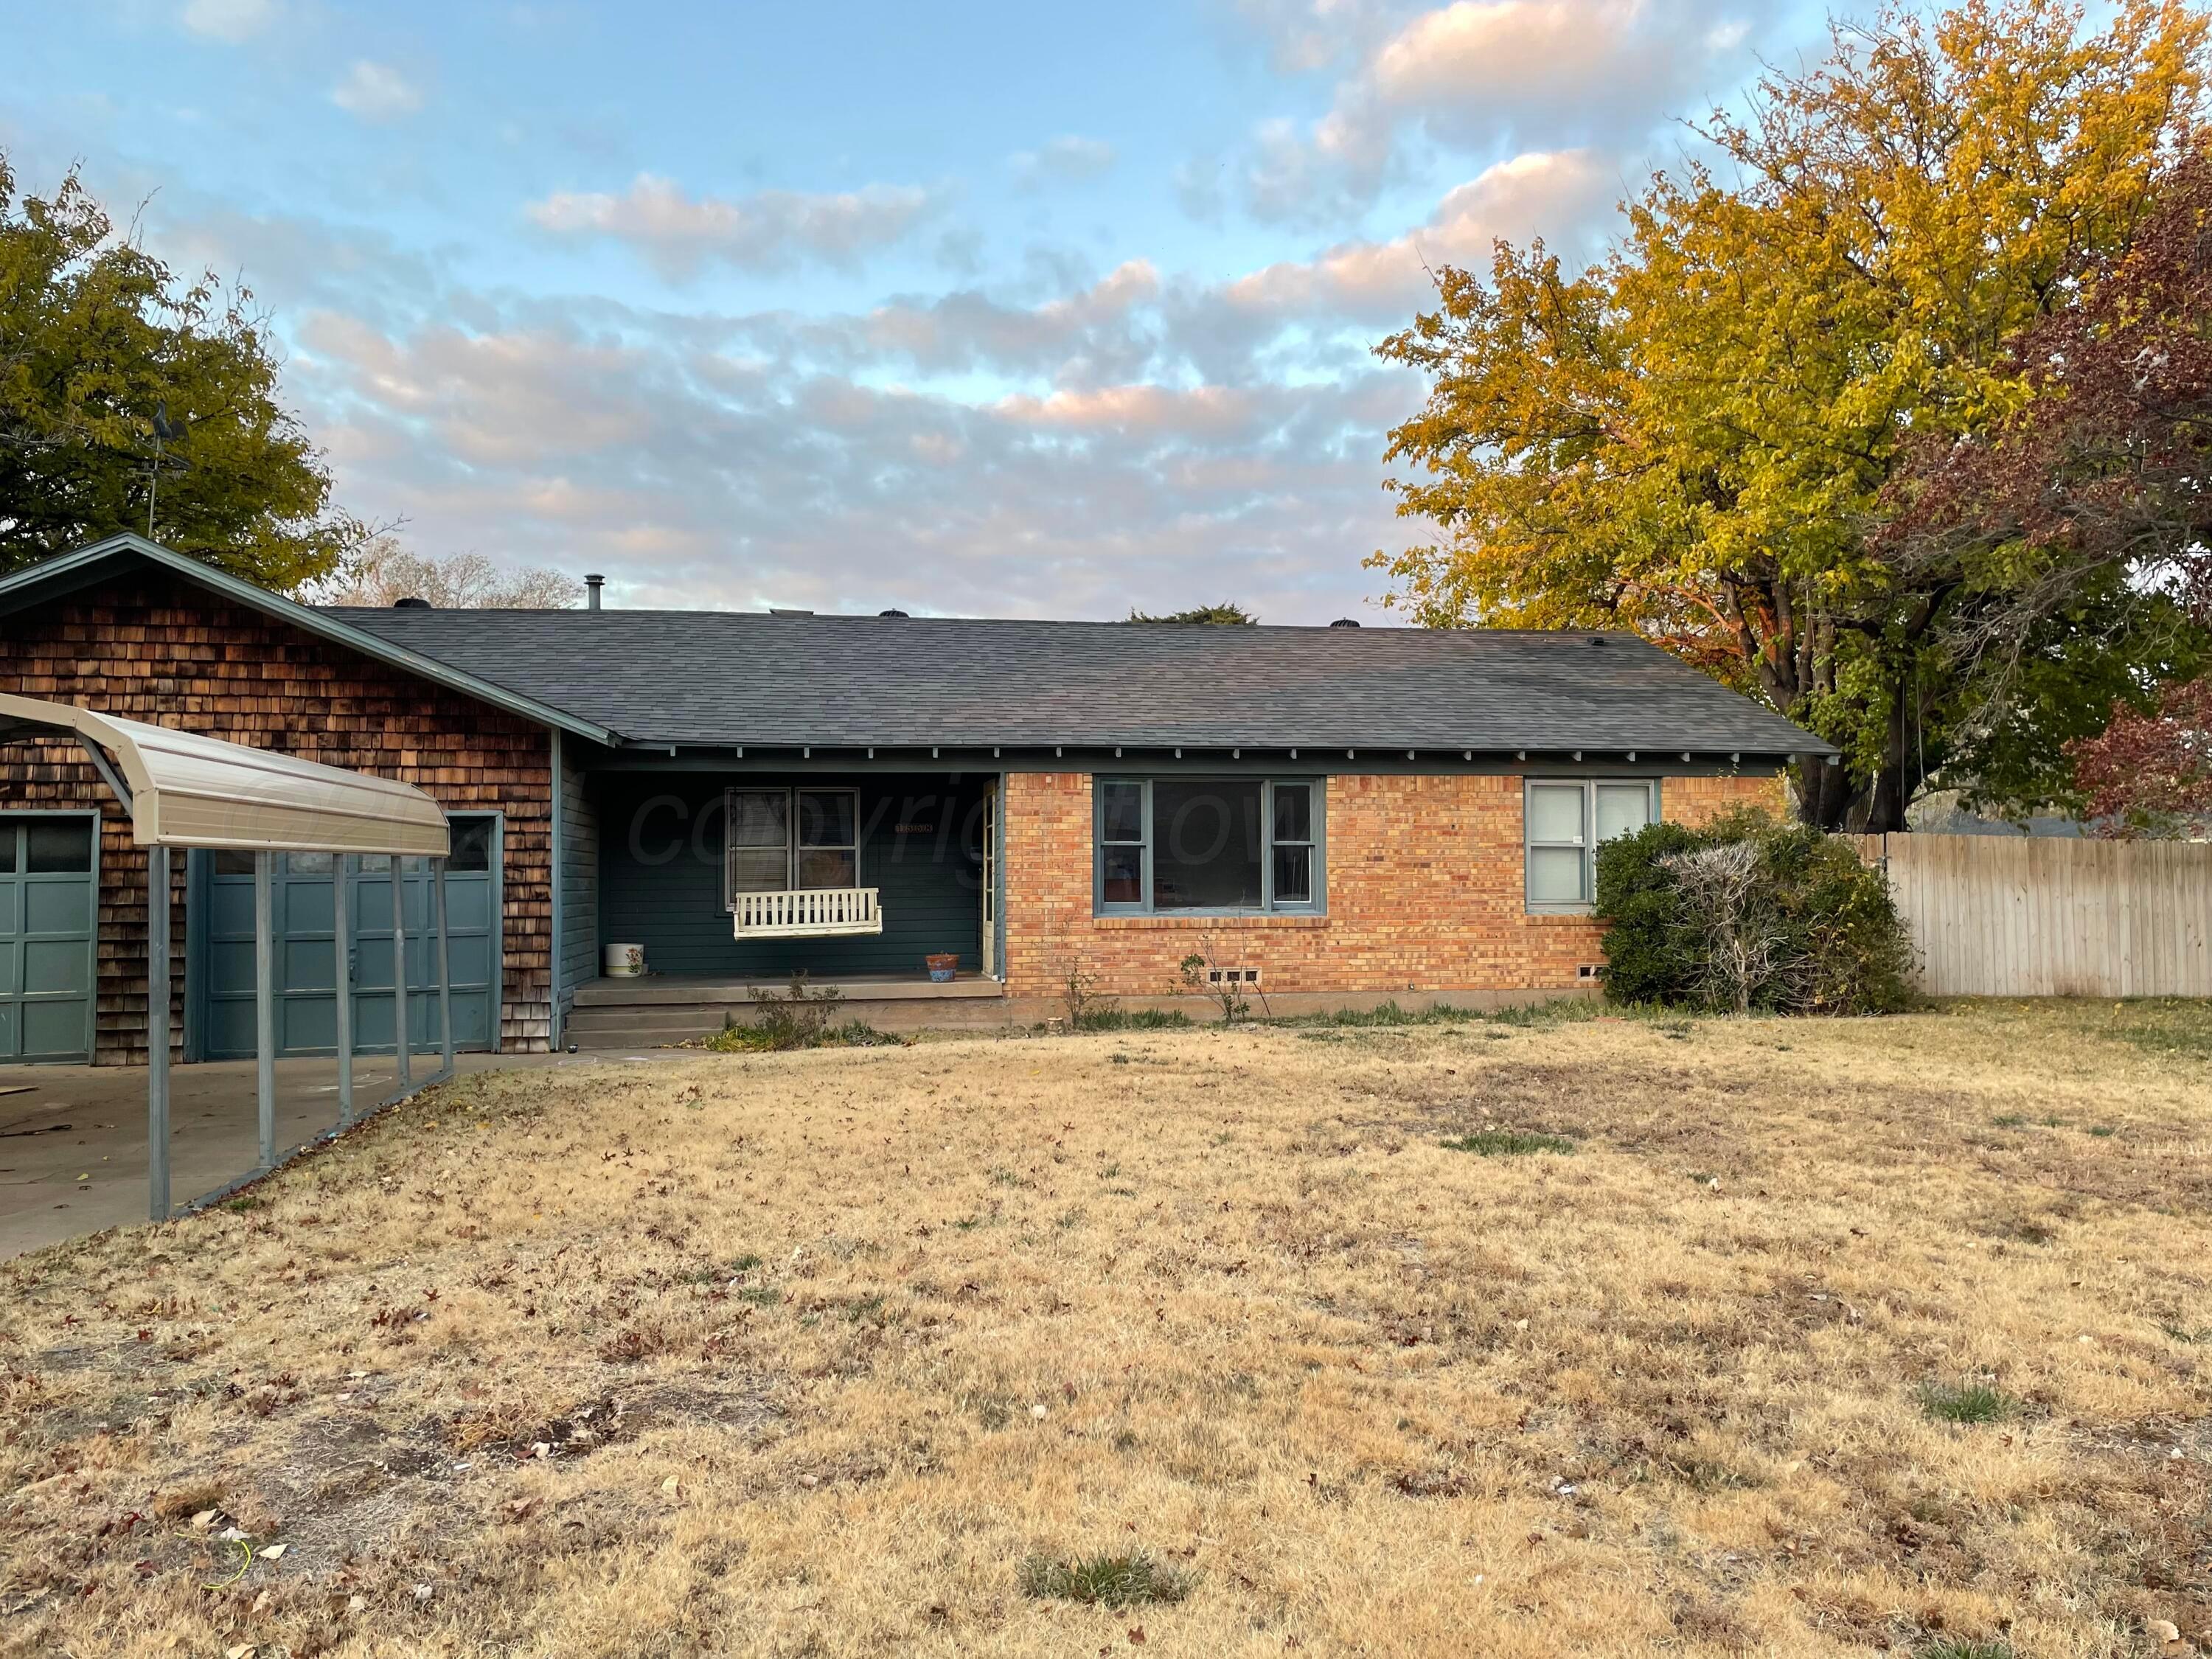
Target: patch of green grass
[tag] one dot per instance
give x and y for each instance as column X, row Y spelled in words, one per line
column 245, row 1205
column 2010, row 1121
column 1133, row 1020
column 2103, row 1131
column 1961, row 1647
column 1507, row 1143
column 2183, row 1333
column 745, row 1263
column 1105, row 1581
column 869, row 1308
column 761, row 1296
column 737, row 1039
column 1966, row 1402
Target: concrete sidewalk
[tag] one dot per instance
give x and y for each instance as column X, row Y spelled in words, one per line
column 73, row 1146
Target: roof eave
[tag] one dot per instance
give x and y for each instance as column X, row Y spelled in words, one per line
column 66, row 571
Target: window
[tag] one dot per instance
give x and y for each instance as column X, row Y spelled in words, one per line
column 1566, row 820
column 1207, row 845
column 57, row 846
column 777, row 840
column 471, row 835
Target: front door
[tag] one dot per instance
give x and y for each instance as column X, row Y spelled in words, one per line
column 48, row 879
column 306, row 970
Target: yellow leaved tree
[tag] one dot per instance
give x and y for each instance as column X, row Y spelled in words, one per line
column 1694, row 437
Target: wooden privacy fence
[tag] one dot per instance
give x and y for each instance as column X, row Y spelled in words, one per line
column 2038, row 917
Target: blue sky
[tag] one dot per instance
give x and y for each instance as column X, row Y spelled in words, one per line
column 983, row 309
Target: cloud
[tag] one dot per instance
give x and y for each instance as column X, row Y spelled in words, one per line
column 768, row 230
column 724, row 461
column 1068, row 159
column 230, row 20
column 376, row 92
column 1559, row 193
column 1475, row 74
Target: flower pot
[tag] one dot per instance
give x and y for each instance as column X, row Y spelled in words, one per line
column 941, row 965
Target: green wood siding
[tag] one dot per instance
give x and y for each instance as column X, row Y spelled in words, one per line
column 660, row 851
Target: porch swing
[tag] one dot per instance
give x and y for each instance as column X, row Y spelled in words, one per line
column 792, row 865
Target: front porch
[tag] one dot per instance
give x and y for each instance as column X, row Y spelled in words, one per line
column 655, row 1010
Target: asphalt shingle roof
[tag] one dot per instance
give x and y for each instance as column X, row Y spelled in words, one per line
column 706, row 677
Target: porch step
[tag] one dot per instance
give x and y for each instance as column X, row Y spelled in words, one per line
column 695, row 990
column 664, row 1021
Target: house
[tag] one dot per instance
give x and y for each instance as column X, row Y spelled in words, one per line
column 1330, row 815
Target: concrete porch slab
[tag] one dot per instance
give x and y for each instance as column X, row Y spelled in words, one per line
column 650, row 990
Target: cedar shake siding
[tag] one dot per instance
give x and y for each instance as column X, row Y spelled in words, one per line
column 156, row 647
column 1423, row 885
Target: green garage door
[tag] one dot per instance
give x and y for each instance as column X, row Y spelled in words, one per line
column 47, row 911
column 307, row 971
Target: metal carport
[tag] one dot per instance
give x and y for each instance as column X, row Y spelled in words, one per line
column 183, row 789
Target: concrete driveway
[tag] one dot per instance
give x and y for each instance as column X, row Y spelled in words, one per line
column 73, row 1138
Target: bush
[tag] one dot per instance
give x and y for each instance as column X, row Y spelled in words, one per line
column 1745, row 913
column 801, row 1018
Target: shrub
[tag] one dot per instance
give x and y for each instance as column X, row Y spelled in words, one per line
column 1746, row 913
column 800, row 1018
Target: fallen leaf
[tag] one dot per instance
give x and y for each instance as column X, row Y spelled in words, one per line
column 1137, row 1637
column 274, row 1552
column 204, row 1519
column 673, row 1487
column 2162, row 1629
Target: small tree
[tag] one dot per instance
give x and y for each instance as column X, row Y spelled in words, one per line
column 1724, row 896
column 1204, row 972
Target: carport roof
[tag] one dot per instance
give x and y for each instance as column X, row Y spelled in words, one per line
column 187, row 790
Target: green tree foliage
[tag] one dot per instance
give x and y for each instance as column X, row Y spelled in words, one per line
column 1204, row 616
column 1745, row 914
column 1694, row 439
column 95, row 336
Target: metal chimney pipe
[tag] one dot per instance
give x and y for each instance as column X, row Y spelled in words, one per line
column 592, row 583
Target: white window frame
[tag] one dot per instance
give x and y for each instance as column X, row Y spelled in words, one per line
column 1586, row 842
column 1317, row 828
column 792, row 846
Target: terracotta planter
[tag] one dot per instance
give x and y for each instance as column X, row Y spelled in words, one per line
column 941, row 965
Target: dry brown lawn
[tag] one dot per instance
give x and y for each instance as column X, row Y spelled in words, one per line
column 810, row 1354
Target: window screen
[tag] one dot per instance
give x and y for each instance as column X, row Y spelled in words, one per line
column 759, row 840
column 780, row 839
column 1567, row 821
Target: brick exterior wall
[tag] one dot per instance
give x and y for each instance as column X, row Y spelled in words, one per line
column 163, row 650
column 1425, row 891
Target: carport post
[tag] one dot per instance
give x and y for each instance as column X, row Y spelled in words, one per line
column 399, row 973
column 157, row 1033
column 444, row 961
column 265, row 1001
column 342, row 930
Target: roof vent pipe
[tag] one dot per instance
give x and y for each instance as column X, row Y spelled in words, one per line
column 1343, row 621
column 592, row 583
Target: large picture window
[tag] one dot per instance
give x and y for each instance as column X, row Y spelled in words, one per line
column 776, row 840
column 1208, row 846
column 1565, row 821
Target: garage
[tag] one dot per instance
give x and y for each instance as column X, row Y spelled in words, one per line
column 48, row 878
column 221, row 948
